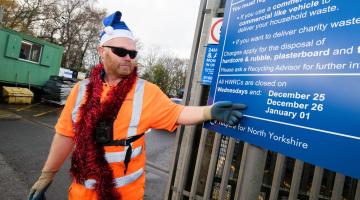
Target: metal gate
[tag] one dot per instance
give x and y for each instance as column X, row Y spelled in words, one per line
column 207, row 165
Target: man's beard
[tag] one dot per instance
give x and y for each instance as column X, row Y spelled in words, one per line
column 123, row 69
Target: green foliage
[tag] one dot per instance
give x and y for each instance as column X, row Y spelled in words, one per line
column 161, row 77
column 167, row 72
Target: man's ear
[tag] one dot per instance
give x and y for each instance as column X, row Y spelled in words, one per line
column 101, row 51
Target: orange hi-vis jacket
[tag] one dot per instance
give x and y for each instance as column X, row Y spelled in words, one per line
column 144, row 107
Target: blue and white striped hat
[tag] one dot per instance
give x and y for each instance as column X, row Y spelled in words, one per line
column 114, row 28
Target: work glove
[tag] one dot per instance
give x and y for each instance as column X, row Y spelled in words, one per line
column 37, row 191
column 225, row 111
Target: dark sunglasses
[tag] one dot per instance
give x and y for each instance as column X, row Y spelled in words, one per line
column 121, row 52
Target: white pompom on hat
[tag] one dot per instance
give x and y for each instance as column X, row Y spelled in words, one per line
column 114, row 28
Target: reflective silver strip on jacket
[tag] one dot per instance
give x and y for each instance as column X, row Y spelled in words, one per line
column 112, row 157
column 80, row 96
column 119, row 182
column 137, row 107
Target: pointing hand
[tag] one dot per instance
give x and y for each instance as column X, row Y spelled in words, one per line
column 227, row 112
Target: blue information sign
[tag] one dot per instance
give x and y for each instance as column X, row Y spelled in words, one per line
column 209, row 64
column 296, row 64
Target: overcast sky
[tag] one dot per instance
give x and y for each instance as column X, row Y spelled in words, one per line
column 167, row 24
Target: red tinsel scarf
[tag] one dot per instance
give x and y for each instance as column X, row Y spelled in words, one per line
column 88, row 159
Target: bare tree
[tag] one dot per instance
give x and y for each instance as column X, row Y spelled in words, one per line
column 23, row 15
column 75, row 25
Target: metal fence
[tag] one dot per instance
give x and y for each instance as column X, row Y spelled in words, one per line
column 237, row 170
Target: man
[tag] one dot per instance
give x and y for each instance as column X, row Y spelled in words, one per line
column 104, row 120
